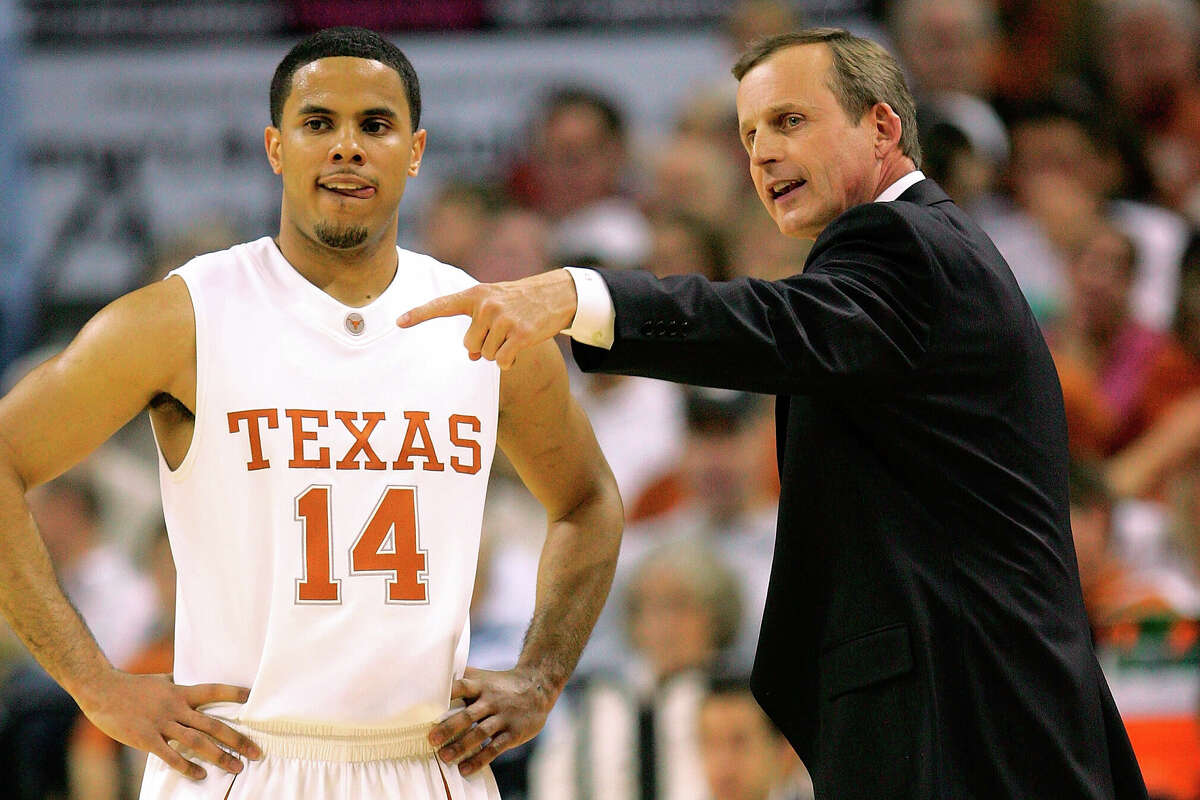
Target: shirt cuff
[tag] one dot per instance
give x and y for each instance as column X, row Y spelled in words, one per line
column 595, row 318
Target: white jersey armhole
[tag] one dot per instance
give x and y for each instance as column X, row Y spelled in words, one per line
column 181, row 472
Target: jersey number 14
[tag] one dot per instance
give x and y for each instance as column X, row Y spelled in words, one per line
column 388, row 545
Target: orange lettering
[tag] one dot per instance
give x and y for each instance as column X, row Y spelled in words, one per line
column 253, row 419
column 404, row 562
column 312, row 511
column 417, row 426
column 471, row 444
column 300, row 436
column 362, row 437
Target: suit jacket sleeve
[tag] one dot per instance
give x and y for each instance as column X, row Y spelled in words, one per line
column 859, row 316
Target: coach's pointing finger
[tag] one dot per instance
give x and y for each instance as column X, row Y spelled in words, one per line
column 450, row 305
column 506, row 317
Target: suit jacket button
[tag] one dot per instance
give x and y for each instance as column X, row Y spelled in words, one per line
column 648, row 328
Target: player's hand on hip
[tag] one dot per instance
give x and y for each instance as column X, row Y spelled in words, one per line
column 152, row 713
column 504, row 709
column 506, row 317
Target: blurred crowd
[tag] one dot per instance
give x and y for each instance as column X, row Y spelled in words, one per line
column 1069, row 129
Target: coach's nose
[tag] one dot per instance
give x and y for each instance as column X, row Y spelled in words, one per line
column 766, row 149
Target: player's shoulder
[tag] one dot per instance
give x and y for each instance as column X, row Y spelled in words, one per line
column 425, row 277
column 226, row 264
column 426, row 273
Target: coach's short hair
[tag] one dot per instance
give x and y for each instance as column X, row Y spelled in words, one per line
column 863, row 74
column 349, row 42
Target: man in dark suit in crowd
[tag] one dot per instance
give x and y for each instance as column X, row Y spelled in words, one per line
column 924, row 634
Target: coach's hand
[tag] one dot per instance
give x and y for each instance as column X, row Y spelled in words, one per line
column 148, row 711
column 504, row 709
column 507, row 317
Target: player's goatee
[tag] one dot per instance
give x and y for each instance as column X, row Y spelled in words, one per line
column 340, row 237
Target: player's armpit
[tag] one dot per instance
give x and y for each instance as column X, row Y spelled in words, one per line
column 137, row 347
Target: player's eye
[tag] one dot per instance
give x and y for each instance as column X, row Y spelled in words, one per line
column 316, row 123
column 375, row 126
column 792, row 120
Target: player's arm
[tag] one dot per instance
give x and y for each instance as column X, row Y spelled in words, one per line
column 550, row 442
column 140, row 346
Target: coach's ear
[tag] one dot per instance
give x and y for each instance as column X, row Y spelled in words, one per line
column 271, row 140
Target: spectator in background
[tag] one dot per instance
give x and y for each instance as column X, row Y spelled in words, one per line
column 573, row 175
column 745, row 756
column 683, row 244
column 1042, row 48
column 454, row 222
column 1065, row 176
column 1173, row 370
column 99, row 767
column 1097, row 339
column 639, row 424
column 1112, row 591
column 513, row 243
column 966, row 149
column 759, row 250
column 949, row 49
column 723, row 494
column 635, row 734
column 750, row 20
column 1150, row 56
column 696, row 176
column 709, row 114
column 946, row 45
column 115, row 600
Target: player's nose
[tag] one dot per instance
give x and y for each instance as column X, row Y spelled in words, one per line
column 347, row 147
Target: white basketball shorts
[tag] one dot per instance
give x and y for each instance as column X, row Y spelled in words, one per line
column 324, row 762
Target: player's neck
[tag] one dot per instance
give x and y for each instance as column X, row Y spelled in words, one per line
column 352, row 276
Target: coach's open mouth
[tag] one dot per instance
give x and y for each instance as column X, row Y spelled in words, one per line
column 784, row 188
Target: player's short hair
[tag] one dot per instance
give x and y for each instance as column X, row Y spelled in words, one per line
column 863, row 74
column 348, row 42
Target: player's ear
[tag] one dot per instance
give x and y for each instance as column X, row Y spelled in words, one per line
column 271, row 140
column 418, row 149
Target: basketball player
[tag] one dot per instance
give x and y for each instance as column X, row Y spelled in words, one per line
column 323, row 476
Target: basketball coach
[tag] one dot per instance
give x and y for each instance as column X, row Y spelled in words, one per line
column 924, row 633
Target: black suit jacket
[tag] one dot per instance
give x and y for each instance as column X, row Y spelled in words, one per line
column 924, row 633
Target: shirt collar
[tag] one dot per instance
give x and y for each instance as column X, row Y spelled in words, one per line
column 898, row 188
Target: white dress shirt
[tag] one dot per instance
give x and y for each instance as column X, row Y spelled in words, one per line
column 595, row 317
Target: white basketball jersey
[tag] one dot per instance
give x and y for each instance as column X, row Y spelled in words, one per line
column 325, row 522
